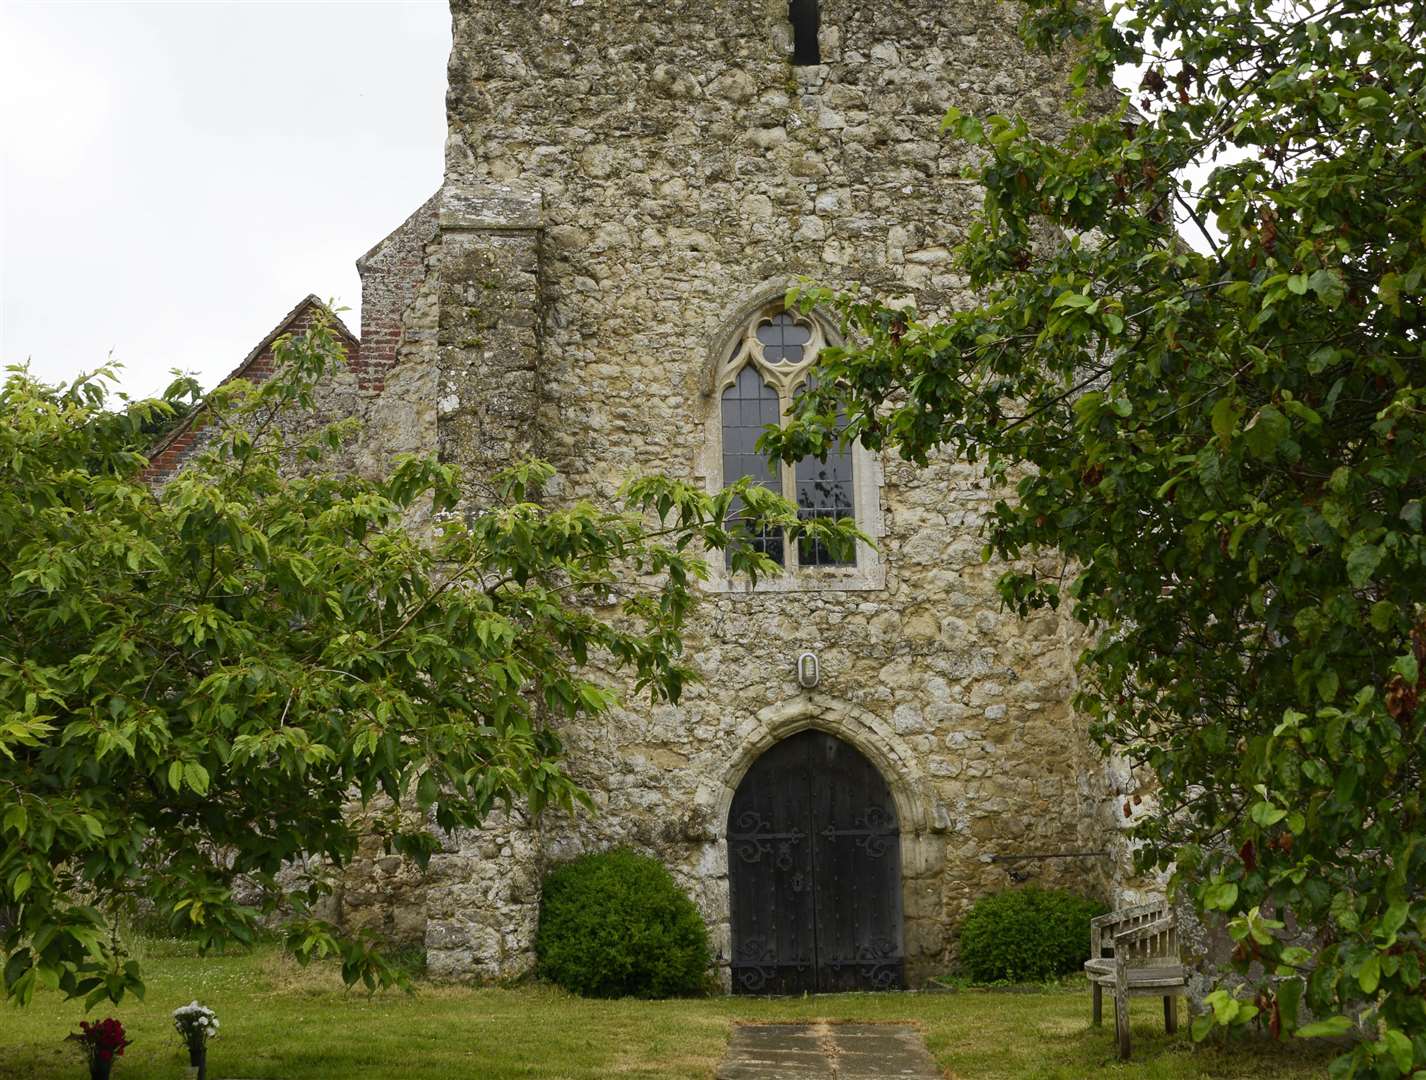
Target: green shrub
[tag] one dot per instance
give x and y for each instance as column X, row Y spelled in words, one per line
column 1026, row 935
column 616, row 925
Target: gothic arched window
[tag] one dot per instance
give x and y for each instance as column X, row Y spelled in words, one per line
column 768, row 364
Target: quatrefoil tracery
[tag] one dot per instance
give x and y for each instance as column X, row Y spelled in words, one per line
column 781, row 345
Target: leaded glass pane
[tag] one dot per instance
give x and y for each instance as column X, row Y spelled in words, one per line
column 783, row 338
column 824, row 490
column 750, row 405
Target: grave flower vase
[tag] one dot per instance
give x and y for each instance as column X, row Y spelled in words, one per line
column 198, row 1062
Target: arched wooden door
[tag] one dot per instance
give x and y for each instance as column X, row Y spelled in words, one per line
column 814, row 869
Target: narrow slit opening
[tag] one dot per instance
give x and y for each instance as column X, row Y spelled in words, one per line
column 803, row 15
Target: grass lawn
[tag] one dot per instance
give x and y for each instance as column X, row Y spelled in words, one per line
column 282, row 1021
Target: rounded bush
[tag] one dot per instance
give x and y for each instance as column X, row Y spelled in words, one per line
column 615, row 924
column 1027, row 935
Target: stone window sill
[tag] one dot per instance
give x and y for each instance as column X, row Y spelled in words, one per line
column 803, row 580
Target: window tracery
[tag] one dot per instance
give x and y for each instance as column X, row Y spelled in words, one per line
column 766, row 367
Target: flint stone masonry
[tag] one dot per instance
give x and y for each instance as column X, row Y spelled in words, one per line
column 625, row 187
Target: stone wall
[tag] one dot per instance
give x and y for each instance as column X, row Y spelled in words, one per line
column 622, row 183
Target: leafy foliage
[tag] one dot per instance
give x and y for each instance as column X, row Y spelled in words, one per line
column 1227, row 447
column 1026, row 935
column 615, row 924
column 249, row 669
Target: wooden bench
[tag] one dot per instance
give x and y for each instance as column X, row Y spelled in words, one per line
column 1133, row 952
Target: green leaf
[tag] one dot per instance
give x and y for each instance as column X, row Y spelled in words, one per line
column 1327, row 685
column 1225, row 419
column 1329, row 1028
column 1225, row 1007
column 1383, row 615
column 1221, row 897
column 1168, row 485
column 1072, row 299
column 196, row 776
column 1403, row 1054
column 1266, row 431
column 1369, row 975
column 1411, row 970
column 1362, row 562
column 1343, row 909
column 427, row 789
column 1395, row 918
column 1289, row 997
column 1266, row 814
column 1327, row 284
column 1407, row 666
column 1087, row 405
column 16, row 819
column 1389, row 292
column 1322, row 358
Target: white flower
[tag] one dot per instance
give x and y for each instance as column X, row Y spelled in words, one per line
column 195, row 1020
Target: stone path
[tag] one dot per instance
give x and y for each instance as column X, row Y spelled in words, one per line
column 824, row 1051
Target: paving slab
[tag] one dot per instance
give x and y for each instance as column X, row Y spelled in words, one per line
column 823, row 1051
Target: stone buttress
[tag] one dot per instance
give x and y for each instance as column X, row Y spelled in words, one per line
column 482, row 889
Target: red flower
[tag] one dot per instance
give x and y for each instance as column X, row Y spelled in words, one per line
column 102, row 1041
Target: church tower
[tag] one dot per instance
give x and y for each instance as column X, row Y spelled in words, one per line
column 631, row 187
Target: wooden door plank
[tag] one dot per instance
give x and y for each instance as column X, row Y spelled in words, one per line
column 770, row 876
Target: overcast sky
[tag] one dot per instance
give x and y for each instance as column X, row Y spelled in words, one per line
column 174, row 177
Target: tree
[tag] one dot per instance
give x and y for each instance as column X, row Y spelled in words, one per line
column 220, row 680
column 1228, row 448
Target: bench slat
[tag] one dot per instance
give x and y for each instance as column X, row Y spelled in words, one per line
column 1146, row 976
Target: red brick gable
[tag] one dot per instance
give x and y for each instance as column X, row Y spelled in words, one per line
column 169, row 454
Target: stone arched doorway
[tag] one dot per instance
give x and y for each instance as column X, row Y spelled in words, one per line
column 814, row 872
